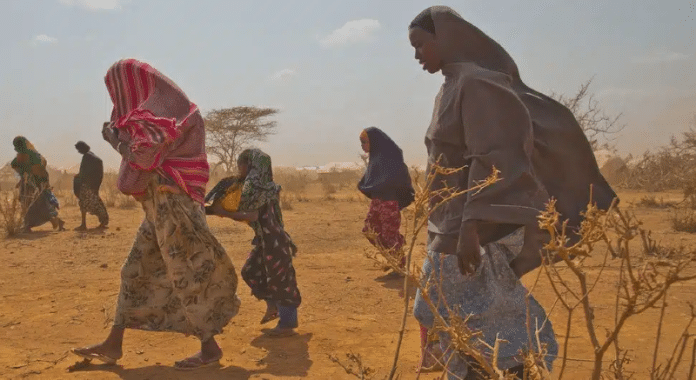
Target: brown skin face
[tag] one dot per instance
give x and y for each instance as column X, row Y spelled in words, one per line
column 243, row 169
column 427, row 51
column 365, row 144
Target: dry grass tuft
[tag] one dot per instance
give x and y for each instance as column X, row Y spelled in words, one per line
column 683, row 220
column 653, row 202
column 12, row 212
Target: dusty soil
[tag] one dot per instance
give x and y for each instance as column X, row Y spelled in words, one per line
column 58, row 290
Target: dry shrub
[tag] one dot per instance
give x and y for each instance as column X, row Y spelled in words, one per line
column 653, row 202
column 67, row 198
column 643, row 284
column 126, row 202
column 329, row 189
column 672, row 167
column 109, row 197
column 645, row 277
column 335, row 180
column 108, row 192
column 285, row 202
column 12, row 212
column 292, row 180
column 683, row 220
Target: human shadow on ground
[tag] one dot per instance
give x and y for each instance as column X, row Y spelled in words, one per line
column 396, row 282
column 34, row 235
column 162, row 372
column 285, row 356
column 91, row 231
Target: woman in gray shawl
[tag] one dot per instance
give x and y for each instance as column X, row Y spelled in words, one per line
column 481, row 243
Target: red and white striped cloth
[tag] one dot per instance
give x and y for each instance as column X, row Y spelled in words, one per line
column 164, row 128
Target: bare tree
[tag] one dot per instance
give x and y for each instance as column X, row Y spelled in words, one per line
column 229, row 130
column 597, row 125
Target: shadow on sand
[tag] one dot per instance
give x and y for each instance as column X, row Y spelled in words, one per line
column 396, row 282
column 287, row 356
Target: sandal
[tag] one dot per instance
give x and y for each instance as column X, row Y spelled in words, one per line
column 195, row 362
column 93, row 355
column 269, row 316
column 271, row 312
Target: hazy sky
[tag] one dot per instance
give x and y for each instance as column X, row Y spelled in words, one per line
column 332, row 68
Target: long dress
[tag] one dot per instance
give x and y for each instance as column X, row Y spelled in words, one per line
column 39, row 203
column 494, row 301
column 177, row 276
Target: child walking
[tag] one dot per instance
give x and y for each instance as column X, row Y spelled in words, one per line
column 388, row 184
column 268, row 270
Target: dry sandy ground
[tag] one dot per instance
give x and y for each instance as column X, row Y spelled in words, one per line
column 57, row 291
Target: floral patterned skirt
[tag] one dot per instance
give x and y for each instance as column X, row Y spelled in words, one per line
column 384, row 220
column 177, row 276
column 89, row 201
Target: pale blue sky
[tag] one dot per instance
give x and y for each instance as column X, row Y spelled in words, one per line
column 332, row 68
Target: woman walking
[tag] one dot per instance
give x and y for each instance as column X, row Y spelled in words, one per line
column 177, row 276
column 388, row 184
column 38, row 201
column 479, row 244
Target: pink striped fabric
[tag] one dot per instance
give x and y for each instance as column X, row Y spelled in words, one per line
column 163, row 127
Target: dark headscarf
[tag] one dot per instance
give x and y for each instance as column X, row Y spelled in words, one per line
column 386, row 174
column 259, row 189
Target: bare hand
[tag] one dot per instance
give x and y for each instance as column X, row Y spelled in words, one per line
column 109, row 134
column 468, row 249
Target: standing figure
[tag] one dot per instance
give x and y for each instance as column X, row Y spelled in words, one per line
column 39, row 204
column 268, row 270
column 177, row 276
column 479, row 244
column 388, row 184
column 86, row 186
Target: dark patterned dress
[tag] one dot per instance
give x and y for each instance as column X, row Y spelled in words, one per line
column 90, row 202
column 269, row 271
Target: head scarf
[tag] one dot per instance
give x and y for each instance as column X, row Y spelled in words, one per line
column 460, row 41
column 259, row 189
column 562, row 158
column 151, row 110
column 22, row 145
column 33, row 159
column 386, row 170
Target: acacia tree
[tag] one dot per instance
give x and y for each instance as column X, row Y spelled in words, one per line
column 230, row 130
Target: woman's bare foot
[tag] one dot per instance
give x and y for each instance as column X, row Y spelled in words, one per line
column 101, row 351
column 210, row 354
column 81, row 228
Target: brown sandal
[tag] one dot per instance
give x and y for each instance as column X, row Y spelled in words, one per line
column 269, row 316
